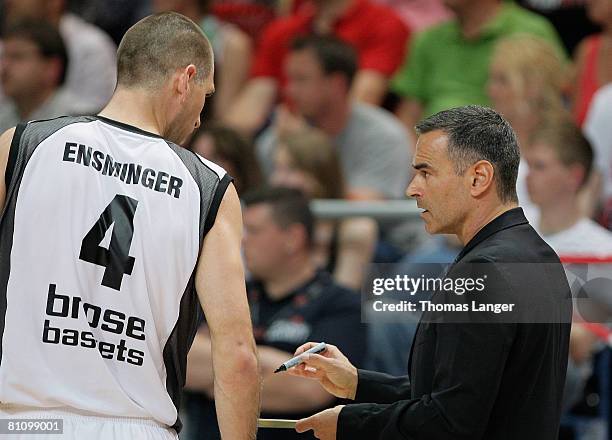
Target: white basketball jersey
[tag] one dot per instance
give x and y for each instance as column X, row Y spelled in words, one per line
column 99, row 242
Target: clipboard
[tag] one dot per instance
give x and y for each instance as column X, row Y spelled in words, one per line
column 276, row 423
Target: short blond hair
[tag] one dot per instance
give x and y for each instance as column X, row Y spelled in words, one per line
column 157, row 45
column 534, row 65
column 313, row 152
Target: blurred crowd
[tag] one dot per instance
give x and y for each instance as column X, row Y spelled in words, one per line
column 317, row 99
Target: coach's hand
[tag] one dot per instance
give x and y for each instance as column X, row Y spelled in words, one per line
column 323, row 424
column 331, row 368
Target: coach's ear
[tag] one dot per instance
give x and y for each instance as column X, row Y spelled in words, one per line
column 481, row 176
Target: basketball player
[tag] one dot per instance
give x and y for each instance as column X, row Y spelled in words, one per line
column 108, row 229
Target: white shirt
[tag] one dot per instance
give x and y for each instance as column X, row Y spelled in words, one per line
column 92, row 61
column 584, row 239
column 532, row 212
column 598, row 129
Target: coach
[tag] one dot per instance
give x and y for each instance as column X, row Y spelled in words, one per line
column 467, row 380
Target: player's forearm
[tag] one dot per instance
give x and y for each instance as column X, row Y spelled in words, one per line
column 236, row 389
column 284, row 393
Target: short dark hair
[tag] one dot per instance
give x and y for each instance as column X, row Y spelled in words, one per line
column 159, row 44
column 568, row 142
column 334, row 55
column 289, row 206
column 479, row 133
column 45, row 36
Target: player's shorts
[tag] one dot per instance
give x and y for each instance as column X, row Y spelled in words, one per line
column 79, row 426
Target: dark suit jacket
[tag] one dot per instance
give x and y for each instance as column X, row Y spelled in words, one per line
column 493, row 380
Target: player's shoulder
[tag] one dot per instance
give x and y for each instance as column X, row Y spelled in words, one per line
column 7, row 135
column 200, row 168
column 40, row 129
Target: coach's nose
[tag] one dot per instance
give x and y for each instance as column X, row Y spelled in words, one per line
column 413, row 190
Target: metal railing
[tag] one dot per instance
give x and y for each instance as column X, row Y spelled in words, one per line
column 383, row 209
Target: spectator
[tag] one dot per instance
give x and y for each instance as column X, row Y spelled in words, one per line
column 376, row 32
column 291, row 302
column 32, row 70
column 560, row 160
column 231, row 46
column 419, row 14
column 306, row 160
column 252, row 16
column 569, row 17
column 526, row 83
column 232, row 152
column 527, row 80
column 372, row 145
column 91, row 75
column 598, row 130
column 115, row 17
column 593, row 59
column 448, row 63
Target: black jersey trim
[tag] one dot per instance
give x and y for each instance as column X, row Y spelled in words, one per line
column 13, row 152
column 203, row 161
column 216, row 202
column 127, row 127
column 180, row 341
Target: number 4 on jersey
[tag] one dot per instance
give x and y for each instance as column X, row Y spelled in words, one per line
column 116, row 258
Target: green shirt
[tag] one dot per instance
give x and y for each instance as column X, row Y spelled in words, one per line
column 445, row 70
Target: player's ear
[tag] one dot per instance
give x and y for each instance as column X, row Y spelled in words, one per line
column 191, row 71
column 183, row 81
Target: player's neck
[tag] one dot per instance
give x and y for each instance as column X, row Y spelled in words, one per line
column 559, row 216
column 134, row 108
column 285, row 281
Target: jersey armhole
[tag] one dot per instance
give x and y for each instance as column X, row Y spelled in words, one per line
column 216, row 202
column 13, row 153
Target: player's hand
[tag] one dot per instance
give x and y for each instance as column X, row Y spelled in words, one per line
column 331, row 368
column 324, row 424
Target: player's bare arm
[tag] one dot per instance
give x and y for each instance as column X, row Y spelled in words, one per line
column 5, row 146
column 221, row 289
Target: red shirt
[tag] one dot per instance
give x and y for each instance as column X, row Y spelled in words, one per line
column 378, row 35
column 587, row 79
